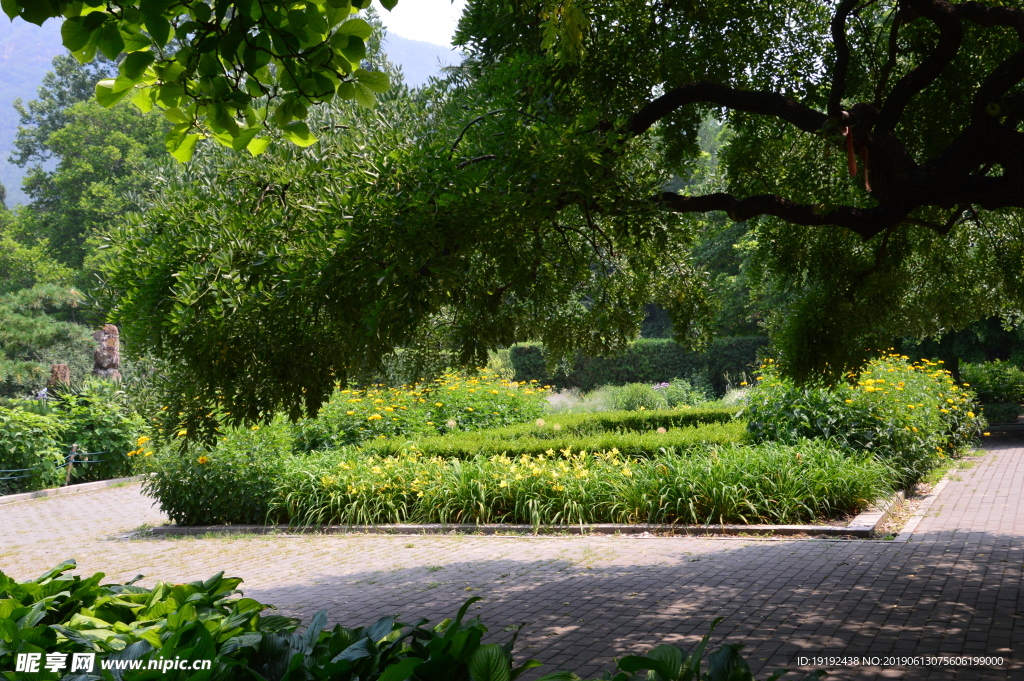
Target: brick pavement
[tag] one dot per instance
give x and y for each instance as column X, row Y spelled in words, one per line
column 954, row 589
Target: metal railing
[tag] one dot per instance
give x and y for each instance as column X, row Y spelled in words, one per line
column 73, row 458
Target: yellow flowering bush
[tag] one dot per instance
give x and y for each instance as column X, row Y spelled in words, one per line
column 911, row 414
column 454, row 402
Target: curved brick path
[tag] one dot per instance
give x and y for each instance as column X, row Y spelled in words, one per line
column 954, row 589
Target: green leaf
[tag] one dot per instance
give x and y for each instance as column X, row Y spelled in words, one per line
column 75, row 34
column 389, row 4
column 159, row 28
column 375, row 80
column 106, row 95
column 11, row 8
column 135, row 64
column 297, row 132
column 185, row 150
column 258, row 145
column 490, row 663
column 356, row 27
column 364, row 96
column 244, row 138
column 109, row 40
column 401, row 671
column 142, row 98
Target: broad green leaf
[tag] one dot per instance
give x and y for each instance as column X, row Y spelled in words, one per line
column 258, row 145
column 159, row 28
column 106, row 95
column 109, row 40
column 297, row 132
column 364, row 96
column 142, row 98
column 356, row 27
column 75, row 34
column 389, row 4
column 375, row 80
column 242, row 141
column 134, row 65
column 401, row 671
column 185, row 150
column 490, row 663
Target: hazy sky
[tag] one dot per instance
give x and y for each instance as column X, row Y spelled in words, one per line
column 430, row 20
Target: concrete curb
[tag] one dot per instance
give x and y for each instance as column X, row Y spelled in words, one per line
column 922, row 509
column 70, row 489
column 864, row 526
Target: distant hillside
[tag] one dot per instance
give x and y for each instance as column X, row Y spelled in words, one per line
column 26, row 51
column 419, row 60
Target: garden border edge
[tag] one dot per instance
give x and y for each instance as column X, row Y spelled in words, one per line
column 68, row 489
column 864, row 526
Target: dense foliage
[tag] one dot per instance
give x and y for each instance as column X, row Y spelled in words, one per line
column 36, row 437
column 909, row 414
column 229, row 75
column 643, row 361
column 126, row 625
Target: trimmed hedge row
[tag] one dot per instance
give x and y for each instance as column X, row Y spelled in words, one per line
column 649, row 360
column 629, row 443
column 561, row 425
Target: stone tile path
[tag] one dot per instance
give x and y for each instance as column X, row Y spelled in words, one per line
column 953, row 590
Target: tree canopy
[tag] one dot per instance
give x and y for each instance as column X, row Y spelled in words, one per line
column 552, row 186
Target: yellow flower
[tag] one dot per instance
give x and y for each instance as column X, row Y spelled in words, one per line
column 203, row 459
column 849, row 401
column 469, row 408
column 182, row 433
column 142, row 440
column 438, row 404
column 255, row 428
column 970, row 414
column 743, row 383
column 986, row 434
column 388, row 409
column 350, row 413
column 374, row 417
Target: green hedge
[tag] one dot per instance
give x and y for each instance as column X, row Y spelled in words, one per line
column 629, row 443
column 651, row 360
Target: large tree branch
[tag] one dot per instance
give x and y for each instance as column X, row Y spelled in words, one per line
column 951, row 34
column 987, row 17
column 842, row 64
column 764, row 103
column 867, row 222
column 1005, row 76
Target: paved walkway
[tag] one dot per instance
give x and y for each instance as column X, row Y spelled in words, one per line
column 953, row 590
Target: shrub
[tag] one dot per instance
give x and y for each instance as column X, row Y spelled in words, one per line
column 909, row 414
column 681, row 393
column 450, row 403
column 636, row 396
column 230, row 483
column 97, row 418
column 30, row 450
column 722, row 484
column 208, row 620
column 995, row 382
